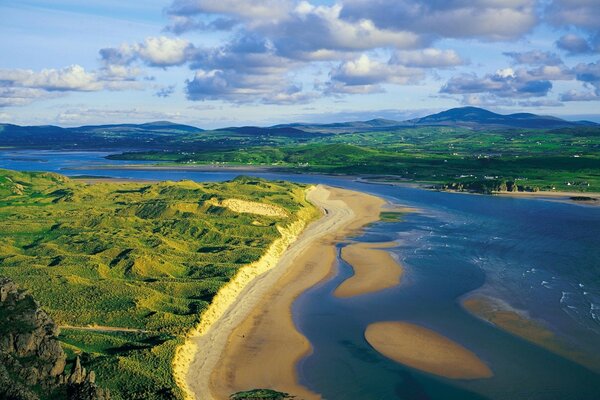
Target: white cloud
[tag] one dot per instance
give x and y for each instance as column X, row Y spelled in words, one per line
column 154, row 51
column 364, row 75
column 482, row 19
column 20, row 87
column 72, row 78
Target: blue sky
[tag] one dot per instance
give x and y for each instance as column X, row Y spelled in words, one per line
column 231, row 62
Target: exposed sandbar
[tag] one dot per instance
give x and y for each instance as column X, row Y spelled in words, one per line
column 374, row 269
column 511, row 321
column 426, row 350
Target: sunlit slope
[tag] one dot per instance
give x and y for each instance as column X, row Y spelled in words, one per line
column 140, row 256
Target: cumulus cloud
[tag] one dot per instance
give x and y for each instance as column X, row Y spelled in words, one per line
column 574, row 44
column 364, row 75
column 154, row 51
column 311, row 31
column 23, row 86
column 584, row 14
column 243, row 88
column 72, row 78
column 245, row 70
column 483, row 19
column 505, row 83
column 589, row 74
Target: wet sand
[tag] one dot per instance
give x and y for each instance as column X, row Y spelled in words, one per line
column 256, row 344
column 426, row 350
column 374, row 269
column 511, row 321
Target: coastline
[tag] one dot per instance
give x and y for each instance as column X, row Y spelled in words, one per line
column 256, row 344
column 245, row 281
column 367, row 179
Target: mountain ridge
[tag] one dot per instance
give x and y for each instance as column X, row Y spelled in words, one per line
column 165, row 134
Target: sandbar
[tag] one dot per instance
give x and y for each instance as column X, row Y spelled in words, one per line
column 425, row 350
column 374, row 269
column 509, row 320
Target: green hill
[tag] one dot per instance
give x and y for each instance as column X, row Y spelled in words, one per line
column 146, row 259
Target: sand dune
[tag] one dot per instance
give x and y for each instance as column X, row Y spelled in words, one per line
column 252, row 207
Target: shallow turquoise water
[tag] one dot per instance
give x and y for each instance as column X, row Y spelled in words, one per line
column 539, row 256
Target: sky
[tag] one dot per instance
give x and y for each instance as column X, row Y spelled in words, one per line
column 230, row 62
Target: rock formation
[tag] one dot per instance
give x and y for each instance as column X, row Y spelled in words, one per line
column 32, row 361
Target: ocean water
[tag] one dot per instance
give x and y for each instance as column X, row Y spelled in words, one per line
column 541, row 257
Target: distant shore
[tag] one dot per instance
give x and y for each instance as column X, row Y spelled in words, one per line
column 256, row 343
column 593, row 198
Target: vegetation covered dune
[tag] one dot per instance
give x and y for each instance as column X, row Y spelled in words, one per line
column 136, row 265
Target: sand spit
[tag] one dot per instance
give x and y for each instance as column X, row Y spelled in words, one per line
column 426, row 350
column 252, row 207
column 511, row 321
column 255, row 342
column 374, row 269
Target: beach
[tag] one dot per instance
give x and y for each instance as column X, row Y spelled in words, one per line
column 255, row 343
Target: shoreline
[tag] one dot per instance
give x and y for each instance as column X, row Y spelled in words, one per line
column 368, row 179
column 246, row 280
column 256, row 343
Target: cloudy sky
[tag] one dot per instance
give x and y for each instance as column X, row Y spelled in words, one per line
column 214, row 63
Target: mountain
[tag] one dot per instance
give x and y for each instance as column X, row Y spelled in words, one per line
column 157, row 127
column 466, row 117
column 148, row 135
column 165, row 135
column 480, row 118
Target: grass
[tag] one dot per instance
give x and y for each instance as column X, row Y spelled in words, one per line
column 147, row 257
column 567, row 169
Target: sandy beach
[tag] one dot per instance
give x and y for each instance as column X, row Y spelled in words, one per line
column 255, row 343
column 426, row 350
column 374, row 269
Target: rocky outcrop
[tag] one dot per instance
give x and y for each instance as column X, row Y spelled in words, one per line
column 32, row 362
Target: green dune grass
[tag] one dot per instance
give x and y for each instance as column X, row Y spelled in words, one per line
column 144, row 257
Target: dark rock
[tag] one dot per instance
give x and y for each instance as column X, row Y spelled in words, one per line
column 32, row 361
